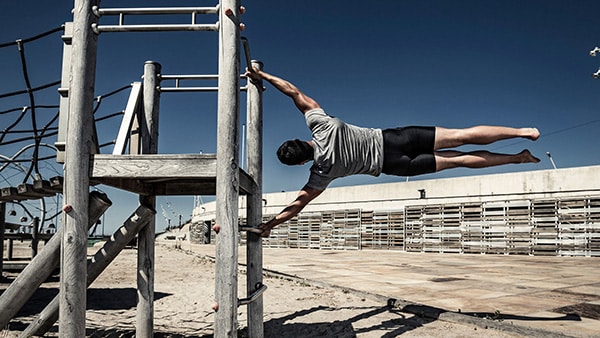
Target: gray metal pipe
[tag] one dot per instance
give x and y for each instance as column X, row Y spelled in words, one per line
column 190, row 77
column 152, row 28
column 42, row 266
column 101, row 259
column 154, row 11
column 188, row 89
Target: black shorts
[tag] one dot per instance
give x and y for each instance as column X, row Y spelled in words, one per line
column 408, row 151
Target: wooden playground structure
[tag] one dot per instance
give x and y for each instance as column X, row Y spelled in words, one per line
column 136, row 166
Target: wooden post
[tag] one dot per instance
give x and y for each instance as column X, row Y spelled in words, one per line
column 101, row 259
column 77, row 164
column 227, row 180
column 254, row 204
column 34, row 236
column 2, row 229
column 9, row 254
column 149, row 145
column 42, row 266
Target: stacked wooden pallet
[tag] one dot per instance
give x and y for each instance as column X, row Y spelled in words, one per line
column 413, row 242
column 518, row 221
column 471, row 228
column 594, row 226
column 544, row 234
column 573, row 227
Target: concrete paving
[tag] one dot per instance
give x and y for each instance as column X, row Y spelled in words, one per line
column 558, row 295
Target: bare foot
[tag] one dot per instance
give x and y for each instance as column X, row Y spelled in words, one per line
column 532, row 133
column 527, row 157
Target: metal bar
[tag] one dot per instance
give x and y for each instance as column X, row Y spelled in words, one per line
column 247, row 53
column 261, row 288
column 156, row 10
column 195, row 89
column 151, row 28
column 190, row 77
column 252, row 230
column 189, row 89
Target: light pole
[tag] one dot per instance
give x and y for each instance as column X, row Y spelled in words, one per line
column 551, row 160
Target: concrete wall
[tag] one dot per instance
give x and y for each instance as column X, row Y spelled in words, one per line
column 514, row 191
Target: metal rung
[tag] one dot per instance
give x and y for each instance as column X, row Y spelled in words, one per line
column 250, row 229
column 260, row 289
column 194, row 89
column 152, row 28
column 153, row 11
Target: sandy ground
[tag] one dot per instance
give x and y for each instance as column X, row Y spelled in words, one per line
column 184, row 285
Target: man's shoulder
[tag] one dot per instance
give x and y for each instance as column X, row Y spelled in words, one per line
column 315, row 111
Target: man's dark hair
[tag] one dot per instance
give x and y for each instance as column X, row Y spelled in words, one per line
column 294, row 152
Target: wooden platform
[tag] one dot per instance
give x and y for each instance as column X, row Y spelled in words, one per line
column 162, row 174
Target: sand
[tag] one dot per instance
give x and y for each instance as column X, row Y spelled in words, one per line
column 184, row 285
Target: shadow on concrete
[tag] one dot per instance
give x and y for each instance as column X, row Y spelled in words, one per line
column 278, row 327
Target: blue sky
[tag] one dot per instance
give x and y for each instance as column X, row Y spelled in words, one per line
column 420, row 62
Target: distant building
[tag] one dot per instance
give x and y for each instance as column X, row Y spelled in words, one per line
column 546, row 212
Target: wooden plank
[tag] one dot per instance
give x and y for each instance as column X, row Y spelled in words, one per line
column 153, row 166
column 124, row 131
column 163, row 174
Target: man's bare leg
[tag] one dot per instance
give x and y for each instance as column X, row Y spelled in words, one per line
column 447, row 159
column 450, row 138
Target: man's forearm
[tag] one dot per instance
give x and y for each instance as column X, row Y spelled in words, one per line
column 282, row 85
column 286, row 214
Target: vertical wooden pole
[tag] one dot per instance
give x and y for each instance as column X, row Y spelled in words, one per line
column 2, row 229
column 254, row 204
column 77, row 163
column 149, row 145
column 35, row 223
column 226, row 276
column 9, row 254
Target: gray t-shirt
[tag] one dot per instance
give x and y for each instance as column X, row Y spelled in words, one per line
column 342, row 149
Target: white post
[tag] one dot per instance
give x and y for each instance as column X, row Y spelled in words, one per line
column 226, row 287
column 77, row 163
column 254, row 204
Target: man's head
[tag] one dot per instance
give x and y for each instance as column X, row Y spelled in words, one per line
column 295, row 152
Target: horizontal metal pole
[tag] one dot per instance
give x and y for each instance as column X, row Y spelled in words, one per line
column 189, row 89
column 251, row 229
column 159, row 10
column 151, row 28
column 194, row 89
column 254, row 296
column 189, row 77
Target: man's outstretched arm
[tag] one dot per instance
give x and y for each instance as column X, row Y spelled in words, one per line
column 301, row 100
column 304, row 197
